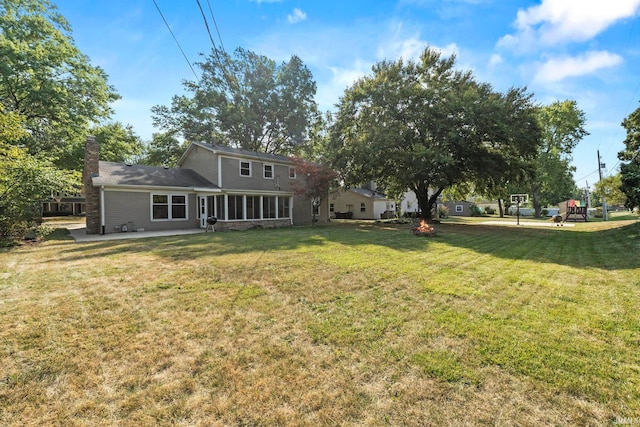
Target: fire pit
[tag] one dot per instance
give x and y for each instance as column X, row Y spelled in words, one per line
column 423, row 229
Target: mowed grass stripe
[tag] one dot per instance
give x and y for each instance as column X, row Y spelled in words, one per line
column 356, row 324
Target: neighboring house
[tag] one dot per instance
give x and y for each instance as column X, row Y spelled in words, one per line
column 409, row 204
column 241, row 189
column 62, row 204
column 360, row 203
column 458, row 208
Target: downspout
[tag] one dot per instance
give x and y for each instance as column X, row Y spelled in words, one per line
column 102, row 219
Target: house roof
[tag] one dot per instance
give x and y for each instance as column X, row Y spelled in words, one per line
column 369, row 193
column 120, row 174
column 458, row 202
column 239, row 152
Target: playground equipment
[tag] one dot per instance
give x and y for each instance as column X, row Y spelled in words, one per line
column 576, row 210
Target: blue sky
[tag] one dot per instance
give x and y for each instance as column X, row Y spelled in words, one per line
column 585, row 50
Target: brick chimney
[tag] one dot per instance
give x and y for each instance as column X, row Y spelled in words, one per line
column 91, row 193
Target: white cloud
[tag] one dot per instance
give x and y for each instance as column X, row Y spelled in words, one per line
column 409, row 47
column 296, row 16
column 560, row 21
column 495, row 60
column 556, row 69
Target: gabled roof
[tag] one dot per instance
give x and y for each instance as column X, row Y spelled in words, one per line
column 239, row 152
column 120, row 174
column 369, row 193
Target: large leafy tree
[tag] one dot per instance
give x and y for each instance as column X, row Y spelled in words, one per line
column 118, row 142
column 164, row 149
column 25, row 180
column 426, row 126
column 11, row 127
column 551, row 174
column 610, row 188
column 630, row 168
column 247, row 101
column 47, row 80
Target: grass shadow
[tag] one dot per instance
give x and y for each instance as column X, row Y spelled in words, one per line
column 612, row 247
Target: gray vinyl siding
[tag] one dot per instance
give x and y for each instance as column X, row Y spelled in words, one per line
column 202, row 161
column 134, row 210
column 302, row 211
column 231, row 178
column 451, row 206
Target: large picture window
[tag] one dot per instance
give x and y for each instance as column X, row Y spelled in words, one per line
column 166, row 207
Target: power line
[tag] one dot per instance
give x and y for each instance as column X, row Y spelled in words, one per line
column 216, row 25
column 176, row 40
column 206, row 24
column 587, row 176
column 231, row 81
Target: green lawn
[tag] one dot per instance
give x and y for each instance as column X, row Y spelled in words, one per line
column 352, row 323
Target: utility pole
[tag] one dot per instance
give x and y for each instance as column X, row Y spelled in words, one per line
column 605, row 215
column 588, row 195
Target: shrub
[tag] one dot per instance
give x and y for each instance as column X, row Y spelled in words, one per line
column 443, row 211
column 475, row 210
column 489, row 210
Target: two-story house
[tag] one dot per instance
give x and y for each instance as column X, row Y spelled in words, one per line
column 241, row 189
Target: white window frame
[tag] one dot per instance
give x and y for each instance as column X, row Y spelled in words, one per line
column 292, row 172
column 264, row 170
column 240, row 168
column 169, row 207
column 363, row 207
column 459, row 209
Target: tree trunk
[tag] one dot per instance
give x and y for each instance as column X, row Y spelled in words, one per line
column 535, row 196
column 500, row 208
column 425, row 202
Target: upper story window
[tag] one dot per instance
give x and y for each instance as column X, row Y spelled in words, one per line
column 292, row 172
column 245, row 168
column 268, row 171
column 363, row 207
